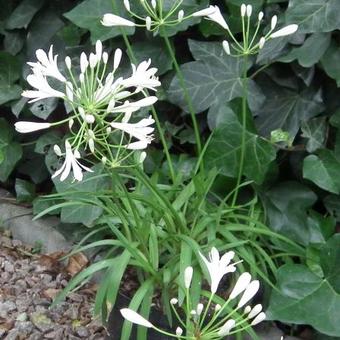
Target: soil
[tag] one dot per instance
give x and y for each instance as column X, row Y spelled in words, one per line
column 28, row 284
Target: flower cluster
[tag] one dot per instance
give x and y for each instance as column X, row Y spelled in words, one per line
column 102, row 106
column 251, row 44
column 155, row 15
column 228, row 318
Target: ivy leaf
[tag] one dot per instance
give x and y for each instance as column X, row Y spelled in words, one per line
column 323, row 170
column 212, row 78
column 23, row 14
column 11, row 151
column 301, row 290
column 25, row 191
column 285, row 109
column 314, row 15
column 286, row 206
column 224, row 151
column 43, row 108
column 315, row 131
column 89, row 13
column 312, row 49
column 330, row 63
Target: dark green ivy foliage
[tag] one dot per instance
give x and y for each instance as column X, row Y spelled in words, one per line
column 293, row 90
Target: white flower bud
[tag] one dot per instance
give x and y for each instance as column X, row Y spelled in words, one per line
column 241, row 284
column 174, row 301
column 117, row 58
column 153, row 4
column 249, row 293
column 70, row 123
column 99, row 50
column 77, row 154
column 68, row 62
column 57, row 150
column 81, row 112
column 69, row 90
column 226, row 47
column 258, row 319
column 199, row 309
column 218, row 307
column 179, row 331
column 142, row 157
column 127, row 5
column 148, row 23
column 83, row 62
column 81, row 77
column 262, row 42
column 247, row 310
column 273, row 22
column 105, row 57
column 89, row 119
column 225, row 329
column 104, row 160
column 288, row 30
column 108, row 130
column 134, row 317
column 90, row 133
column 188, row 272
column 249, row 10
column 255, row 311
column 193, row 312
column 91, row 145
column 243, row 10
column 261, row 15
column 93, row 60
column 180, row 15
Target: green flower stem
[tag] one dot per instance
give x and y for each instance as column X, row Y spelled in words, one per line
column 186, row 95
column 154, row 113
column 244, row 129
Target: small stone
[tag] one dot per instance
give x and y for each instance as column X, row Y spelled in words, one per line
column 22, row 317
column 24, row 327
column 56, row 334
column 12, row 335
column 82, row 332
column 8, row 267
column 6, row 307
column 41, row 321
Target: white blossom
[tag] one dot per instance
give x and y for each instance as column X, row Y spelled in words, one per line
column 71, row 163
column 226, row 47
column 205, row 12
column 273, row 22
column 174, row 301
column 188, row 273
column 99, row 50
column 255, row 311
column 117, row 58
column 180, row 15
column 26, row 127
column 225, row 329
column 217, row 17
column 249, row 293
column 258, row 319
column 179, row 331
column 47, row 64
column 218, row 267
column 262, row 42
column 148, row 22
column 199, row 309
column 127, row 5
column 241, row 284
column 243, row 10
column 249, row 10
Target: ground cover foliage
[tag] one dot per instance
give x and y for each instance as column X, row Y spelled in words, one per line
column 292, row 146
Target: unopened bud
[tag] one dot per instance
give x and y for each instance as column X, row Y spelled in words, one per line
column 142, row 157
column 188, row 272
column 89, row 119
column 153, row 4
column 68, row 62
column 81, row 77
column 243, row 10
column 91, row 145
column 108, row 130
column 148, row 23
column 249, row 10
column 70, row 123
column 127, row 5
column 218, row 307
column 273, row 22
column 261, row 42
column 104, row 160
column 261, row 15
column 199, row 309
column 226, row 47
column 247, row 310
column 90, row 133
column 174, row 301
column 105, row 57
column 179, row 331
column 180, row 15
column 57, row 150
column 93, row 60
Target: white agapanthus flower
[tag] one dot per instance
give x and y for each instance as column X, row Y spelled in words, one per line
column 71, row 164
column 218, row 267
column 251, row 44
column 101, row 104
column 154, row 16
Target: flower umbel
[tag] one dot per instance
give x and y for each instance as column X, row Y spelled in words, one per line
column 155, row 15
column 101, row 123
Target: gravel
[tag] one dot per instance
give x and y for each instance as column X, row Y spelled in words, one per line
column 28, row 284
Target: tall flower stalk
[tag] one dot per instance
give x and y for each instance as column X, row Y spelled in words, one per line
column 250, row 45
column 155, row 20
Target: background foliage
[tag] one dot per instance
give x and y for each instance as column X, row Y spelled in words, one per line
column 293, row 92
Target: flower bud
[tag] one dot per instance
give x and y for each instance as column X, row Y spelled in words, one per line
column 91, row 145
column 225, row 329
column 89, row 119
column 273, row 22
column 93, row 60
column 105, row 57
column 68, row 62
column 108, row 130
column 99, row 50
column 69, row 90
column 81, row 77
column 83, row 62
column 77, row 154
column 57, row 150
column 70, row 123
column 261, row 15
column 258, row 319
column 104, row 160
column 249, row 10
column 117, row 58
column 262, row 42
column 247, row 310
column 218, row 307
column 81, row 112
column 148, row 23
column 153, row 4
column 142, row 157
column 199, row 309
column 179, row 331
column 255, row 311
column 174, row 301
column 249, row 293
column 90, row 133
column 226, row 47
column 243, row 10
column 180, row 15
column 188, row 272
column 127, row 5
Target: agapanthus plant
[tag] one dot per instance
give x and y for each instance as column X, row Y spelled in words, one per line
column 101, row 122
column 211, row 320
column 156, row 15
